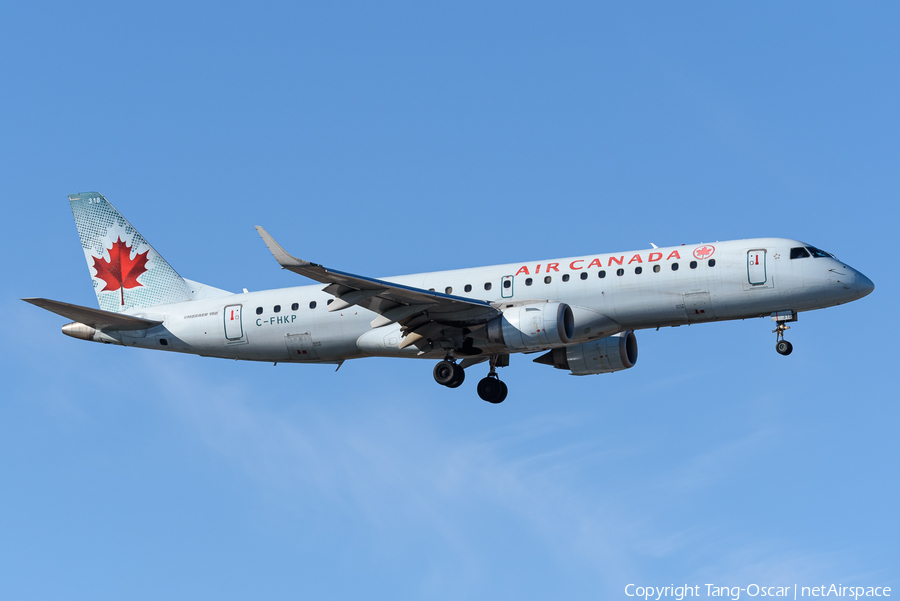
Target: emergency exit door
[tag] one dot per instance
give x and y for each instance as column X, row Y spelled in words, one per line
column 506, row 286
column 756, row 267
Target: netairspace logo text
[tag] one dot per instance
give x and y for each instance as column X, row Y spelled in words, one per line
column 678, row 593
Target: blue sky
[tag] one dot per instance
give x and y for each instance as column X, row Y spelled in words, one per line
column 397, row 138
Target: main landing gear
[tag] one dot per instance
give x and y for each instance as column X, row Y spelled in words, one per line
column 448, row 373
column 492, row 390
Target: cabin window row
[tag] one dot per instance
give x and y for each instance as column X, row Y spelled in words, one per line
column 621, row 271
column 584, row 275
column 508, row 284
column 294, row 307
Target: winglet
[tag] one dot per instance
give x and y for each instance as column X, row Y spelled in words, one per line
column 284, row 259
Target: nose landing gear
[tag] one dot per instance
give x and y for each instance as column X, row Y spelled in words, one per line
column 782, row 346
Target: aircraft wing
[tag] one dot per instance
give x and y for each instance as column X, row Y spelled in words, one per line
column 96, row 318
column 425, row 313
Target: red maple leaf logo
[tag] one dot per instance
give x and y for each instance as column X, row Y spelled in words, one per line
column 121, row 271
column 704, row 251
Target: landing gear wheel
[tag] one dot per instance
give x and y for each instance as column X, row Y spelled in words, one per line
column 492, row 390
column 459, row 375
column 444, row 373
column 783, row 347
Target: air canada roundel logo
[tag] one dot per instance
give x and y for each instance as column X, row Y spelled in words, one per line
column 704, row 252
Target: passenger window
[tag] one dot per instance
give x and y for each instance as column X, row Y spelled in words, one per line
column 259, row 310
column 468, row 288
column 548, row 279
column 601, row 274
column 448, row 290
column 487, row 285
column 639, row 270
column 799, row 253
column 674, row 266
column 620, row 272
column 507, row 283
column 656, row 269
column 295, row 306
column 312, row 304
column 528, row 281
column 565, row 277
column 711, row 262
column 277, row 309
column 330, row 300
column 693, row 264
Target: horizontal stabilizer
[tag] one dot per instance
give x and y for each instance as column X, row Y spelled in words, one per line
column 96, row 318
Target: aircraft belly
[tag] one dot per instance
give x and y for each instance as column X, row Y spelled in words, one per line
column 325, row 337
column 329, row 337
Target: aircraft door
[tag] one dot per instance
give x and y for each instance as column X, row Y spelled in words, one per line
column 756, row 267
column 234, row 330
column 506, row 286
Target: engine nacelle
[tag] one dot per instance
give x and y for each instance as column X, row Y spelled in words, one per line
column 598, row 357
column 591, row 325
column 532, row 327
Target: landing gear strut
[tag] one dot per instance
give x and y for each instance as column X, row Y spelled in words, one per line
column 781, row 318
column 782, row 346
column 449, row 374
column 491, row 389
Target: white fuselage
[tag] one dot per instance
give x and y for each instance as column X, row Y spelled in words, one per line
column 749, row 278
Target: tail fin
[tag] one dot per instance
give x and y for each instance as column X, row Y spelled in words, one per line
column 127, row 271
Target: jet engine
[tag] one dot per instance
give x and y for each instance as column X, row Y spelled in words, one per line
column 597, row 357
column 532, row 327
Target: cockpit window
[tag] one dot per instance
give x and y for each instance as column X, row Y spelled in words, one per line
column 799, row 253
column 819, row 254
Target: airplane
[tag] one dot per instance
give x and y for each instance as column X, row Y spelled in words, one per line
column 580, row 313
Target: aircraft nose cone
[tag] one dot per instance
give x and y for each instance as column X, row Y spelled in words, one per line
column 864, row 286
